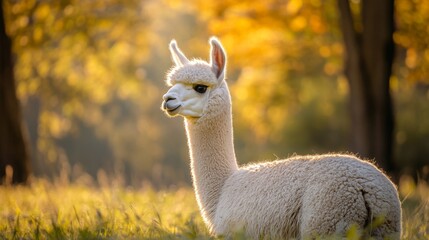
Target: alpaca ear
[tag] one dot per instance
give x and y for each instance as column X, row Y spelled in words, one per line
column 178, row 57
column 217, row 58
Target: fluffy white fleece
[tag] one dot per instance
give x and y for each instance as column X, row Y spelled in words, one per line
column 299, row 197
column 305, row 196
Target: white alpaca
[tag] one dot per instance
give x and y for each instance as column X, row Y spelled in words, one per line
column 299, row 197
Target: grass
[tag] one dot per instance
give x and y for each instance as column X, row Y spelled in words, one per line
column 47, row 210
column 415, row 209
column 50, row 211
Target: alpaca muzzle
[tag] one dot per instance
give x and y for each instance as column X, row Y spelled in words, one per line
column 170, row 105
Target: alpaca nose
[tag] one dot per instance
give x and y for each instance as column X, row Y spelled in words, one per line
column 168, row 98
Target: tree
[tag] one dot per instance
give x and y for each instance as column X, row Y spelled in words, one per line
column 369, row 48
column 13, row 149
column 82, row 64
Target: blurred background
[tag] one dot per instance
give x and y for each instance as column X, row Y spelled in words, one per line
column 89, row 76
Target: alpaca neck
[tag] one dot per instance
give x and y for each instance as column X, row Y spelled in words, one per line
column 212, row 158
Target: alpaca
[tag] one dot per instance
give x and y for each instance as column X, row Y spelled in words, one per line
column 299, row 197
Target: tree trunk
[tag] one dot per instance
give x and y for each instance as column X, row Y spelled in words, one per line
column 368, row 66
column 13, row 150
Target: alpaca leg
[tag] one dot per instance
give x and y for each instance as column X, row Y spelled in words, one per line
column 385, row 215
column 331, row 210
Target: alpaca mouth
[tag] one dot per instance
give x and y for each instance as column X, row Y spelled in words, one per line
column 170, row 109
column 174, row 109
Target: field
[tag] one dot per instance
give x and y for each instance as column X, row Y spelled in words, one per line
column 47, row 210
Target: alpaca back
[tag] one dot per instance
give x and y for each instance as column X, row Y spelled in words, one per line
column 302, row 195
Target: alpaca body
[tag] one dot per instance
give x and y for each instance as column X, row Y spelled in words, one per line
column 305, row 195
column 300, row 197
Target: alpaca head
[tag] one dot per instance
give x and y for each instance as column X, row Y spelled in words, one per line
column 194, row 84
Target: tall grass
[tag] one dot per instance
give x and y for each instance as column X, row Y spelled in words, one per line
column 50, row 211
column 47, row 210
column 415, row 209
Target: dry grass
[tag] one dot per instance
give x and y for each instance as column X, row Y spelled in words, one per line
column 75, row 211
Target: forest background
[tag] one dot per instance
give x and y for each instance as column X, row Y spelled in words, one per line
column 90, row 78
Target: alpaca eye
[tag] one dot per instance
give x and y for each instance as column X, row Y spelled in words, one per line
column 200, row 88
